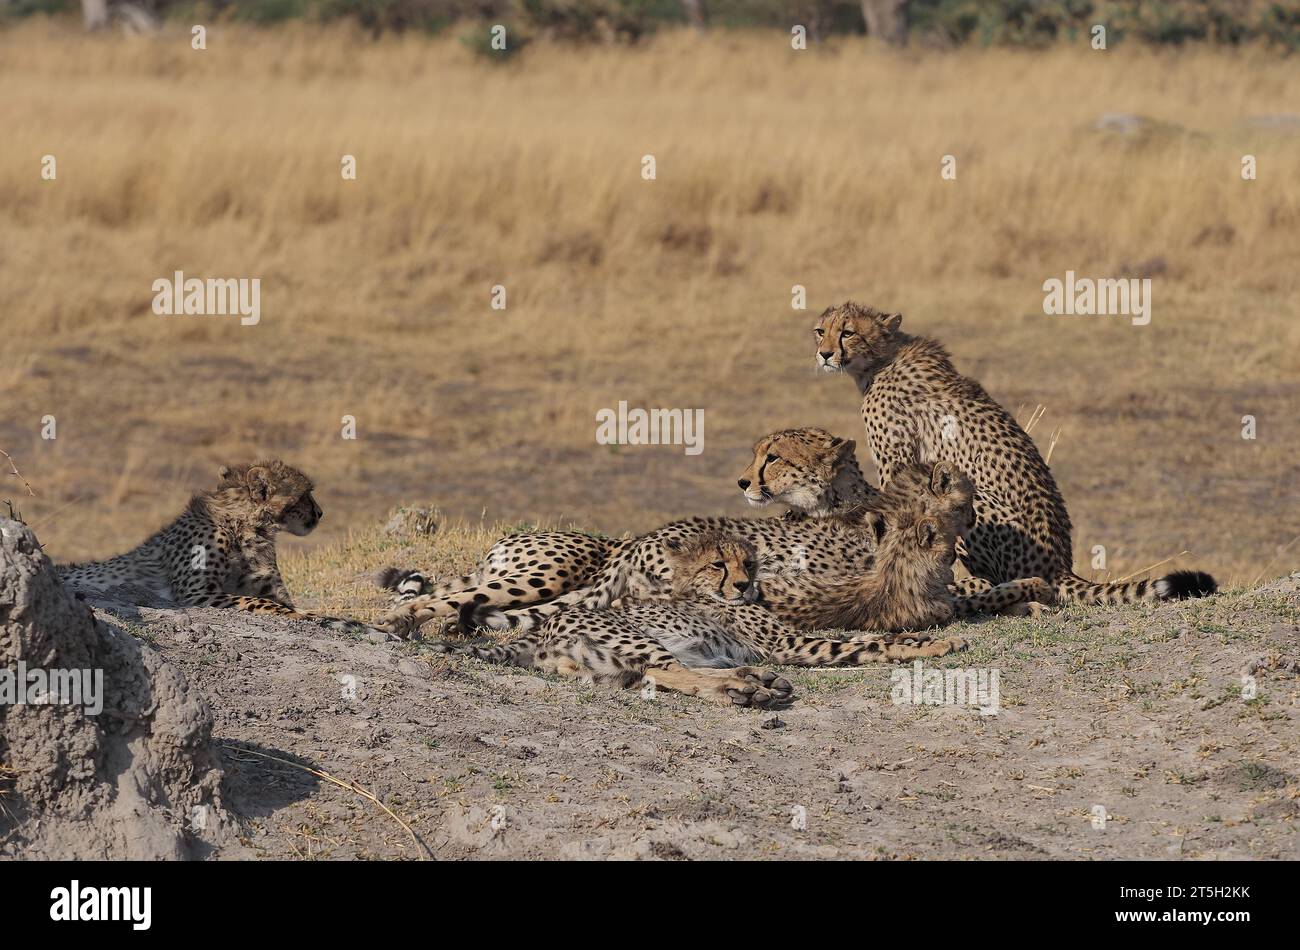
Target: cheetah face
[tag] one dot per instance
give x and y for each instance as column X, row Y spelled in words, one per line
column 951, row 498
column 794, row 467
column 279, row 493
column 941, row 490
column 851, row 338
column 923, row 538
column 716, row 567
column 938, row 538
column 302, row 516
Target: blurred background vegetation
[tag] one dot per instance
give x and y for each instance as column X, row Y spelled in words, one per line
column 932, row 23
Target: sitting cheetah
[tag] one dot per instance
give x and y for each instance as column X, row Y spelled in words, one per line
column 906, row 584
column 700, row 643
column 915, row 405
column 221, row 551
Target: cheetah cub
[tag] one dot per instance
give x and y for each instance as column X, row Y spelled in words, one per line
column 701, row 642
column 221, row 551
column 816, row 475
column 915, row 405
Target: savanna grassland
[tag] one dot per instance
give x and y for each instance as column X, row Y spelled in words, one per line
column 774, row 168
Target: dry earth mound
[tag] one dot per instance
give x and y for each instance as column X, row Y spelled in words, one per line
column 126, row 771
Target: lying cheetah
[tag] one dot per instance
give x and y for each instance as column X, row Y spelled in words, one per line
column 809, row 470
column 521, row 568
column 700, row 643
column 906, row 584
column 533, row 564
column 915, row 405
column 221, row 551
column 814, row 473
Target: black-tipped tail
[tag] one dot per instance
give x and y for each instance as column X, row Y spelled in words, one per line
column 1182, row 585
column 390, row 577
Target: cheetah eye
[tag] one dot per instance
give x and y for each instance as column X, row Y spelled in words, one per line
column 719, row 565
column 771, row 457
column 819, row 331
column 848, row 333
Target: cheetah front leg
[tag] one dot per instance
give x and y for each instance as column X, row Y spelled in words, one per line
column 740, row 686
column 618, row 652
column 626, row 656
column 782, row 644
column 263, row 605
column 266, row 583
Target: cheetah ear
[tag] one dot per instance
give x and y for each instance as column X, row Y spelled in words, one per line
column 890, row 321
column 926, row 532
column 674, row 545
column 223, row 473
column 259, row 483
column 876, row 524
column 844, row 448
column 941, row 478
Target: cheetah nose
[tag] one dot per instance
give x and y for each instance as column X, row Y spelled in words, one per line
column 743, row 483
column 742, row 586
column 825, row 354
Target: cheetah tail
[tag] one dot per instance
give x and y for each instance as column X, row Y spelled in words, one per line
column 1179, row 585
column 475, row 616
column 407, row 582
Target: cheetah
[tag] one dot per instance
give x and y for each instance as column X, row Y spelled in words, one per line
column 906, row 583
column 640, row 566
column 526, row 569
column 700, row 643
column 916, row 405
column 815, row 474
column 519, row 569
column 221, row 551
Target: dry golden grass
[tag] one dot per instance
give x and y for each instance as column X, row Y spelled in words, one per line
column 775, row 168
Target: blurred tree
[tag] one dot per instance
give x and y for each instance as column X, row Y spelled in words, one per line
column 886, row 20
column 696, row 14
column 131, row 17
column 95, row 14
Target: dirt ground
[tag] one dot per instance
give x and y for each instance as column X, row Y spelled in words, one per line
column 1121, row 733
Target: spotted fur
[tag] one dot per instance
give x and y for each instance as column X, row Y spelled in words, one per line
column 915, row 405
column 814, row 473
column 701, row 642
column 905, row 584
column 221, row 551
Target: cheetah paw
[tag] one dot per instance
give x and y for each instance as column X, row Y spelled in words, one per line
column 946, row 645
column 400, row 626
column 760, row 689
